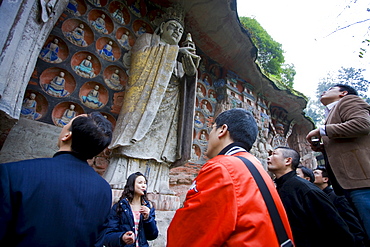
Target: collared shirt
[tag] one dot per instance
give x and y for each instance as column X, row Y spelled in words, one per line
column 327, row 111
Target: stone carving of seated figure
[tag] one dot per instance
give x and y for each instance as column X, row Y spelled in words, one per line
column 205, row 109
column 141, row 30
column 99, row 24
column 29, row 108
column 114, row 81
column 68, row 115
column 50, row 52
column 212, row 97
column 85, row 68
column 118, row 16
column 199, row 92
column 72, row 7
column 107, row 51
column 92, row 98
column 77, row 35
column 194, row 156
column 96, row 3
column 206, row 80
column 56, row 87
column 197, row 121
column 124, row 41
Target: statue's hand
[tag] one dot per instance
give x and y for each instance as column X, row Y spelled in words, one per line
column 189, row 60
column 188, row 65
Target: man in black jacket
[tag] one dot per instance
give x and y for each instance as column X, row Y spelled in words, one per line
column 313, row 218
column 342, row 205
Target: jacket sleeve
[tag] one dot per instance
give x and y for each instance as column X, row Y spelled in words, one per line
column 150, row 226
column 5, row 204
column 113, row 233
column 327, row 219
column 209, row 213
column 354, row 119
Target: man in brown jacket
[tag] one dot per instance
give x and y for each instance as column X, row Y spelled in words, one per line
column 346, row 144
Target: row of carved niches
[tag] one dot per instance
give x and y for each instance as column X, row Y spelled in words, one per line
column 58, row 82
column 35, row 106
column 56, row 50
column 205, row 79
column 199, row 146
column 202, row 92
column 81, row 34
column 117, row 10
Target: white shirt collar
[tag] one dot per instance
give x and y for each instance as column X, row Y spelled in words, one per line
column 329, row 107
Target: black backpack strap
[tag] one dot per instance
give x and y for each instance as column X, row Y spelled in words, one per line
column 274, row 214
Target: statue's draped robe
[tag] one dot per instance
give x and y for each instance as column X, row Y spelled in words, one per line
column 154, row 128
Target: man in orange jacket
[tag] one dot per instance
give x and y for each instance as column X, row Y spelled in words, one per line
column 224, row 206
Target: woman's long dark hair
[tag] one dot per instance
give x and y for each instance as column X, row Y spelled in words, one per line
column 129, row 190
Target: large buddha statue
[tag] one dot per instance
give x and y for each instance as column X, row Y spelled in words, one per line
column 155, row 127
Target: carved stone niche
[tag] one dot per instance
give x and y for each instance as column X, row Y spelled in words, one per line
column 115, row 77
column 93, row 95
column 119, row 13
column 55, row 50
column 85, row 64
column 57, row 82
column 125, row 38
column 64, row 112
column 108, row 49
column 78, row 32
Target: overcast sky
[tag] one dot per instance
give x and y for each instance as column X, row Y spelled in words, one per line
column 303, row 28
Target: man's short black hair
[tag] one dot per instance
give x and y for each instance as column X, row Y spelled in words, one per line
column 291, row 153
column 241, row 125
column 349, row 89
column 307, row 172
column 324, row 173
column 90, row 135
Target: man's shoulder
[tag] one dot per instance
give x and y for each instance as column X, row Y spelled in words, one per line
column 352, row 99
column 27, row 161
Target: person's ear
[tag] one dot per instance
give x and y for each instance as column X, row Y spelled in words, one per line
column 288, row 161
column 325, row 179
column 67, row 136
column 343, row 93
column 222, row 130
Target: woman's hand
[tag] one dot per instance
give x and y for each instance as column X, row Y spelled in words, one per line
column 144, row 210
column 128, row 237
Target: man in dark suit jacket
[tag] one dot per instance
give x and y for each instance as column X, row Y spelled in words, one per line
column 59, row 201
column 341, row 204
column 346, row 142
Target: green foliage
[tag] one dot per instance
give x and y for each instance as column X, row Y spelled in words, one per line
column 270, row 53
column 287, row 74
column 349, row 76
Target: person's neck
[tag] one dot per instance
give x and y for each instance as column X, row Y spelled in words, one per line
column 136, row 200
column 279, row 174
column 322, row 186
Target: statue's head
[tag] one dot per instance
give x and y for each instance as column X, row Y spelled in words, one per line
column 171, row 31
